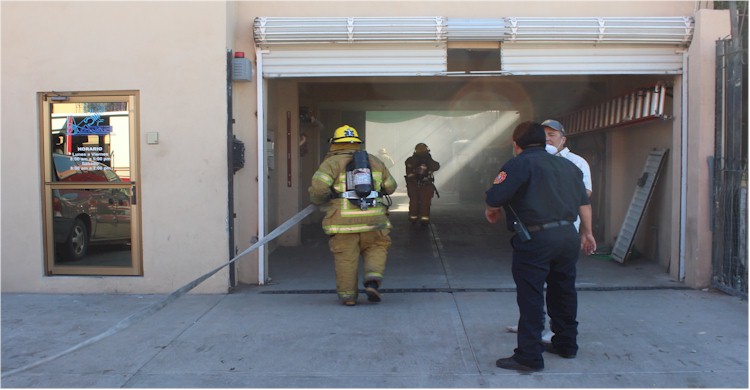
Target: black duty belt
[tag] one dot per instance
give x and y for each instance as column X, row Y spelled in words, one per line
column 548, row 225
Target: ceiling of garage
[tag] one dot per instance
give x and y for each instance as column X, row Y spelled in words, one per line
column 536, row 96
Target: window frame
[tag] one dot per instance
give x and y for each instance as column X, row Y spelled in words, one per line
column 49, row 184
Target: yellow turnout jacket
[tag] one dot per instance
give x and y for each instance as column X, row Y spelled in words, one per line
column 343, row 216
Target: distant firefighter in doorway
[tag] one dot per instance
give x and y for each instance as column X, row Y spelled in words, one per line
column 420, row 183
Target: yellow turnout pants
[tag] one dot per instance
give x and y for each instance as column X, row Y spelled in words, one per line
column 346, row 249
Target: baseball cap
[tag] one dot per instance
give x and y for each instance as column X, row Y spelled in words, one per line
column 553, row 124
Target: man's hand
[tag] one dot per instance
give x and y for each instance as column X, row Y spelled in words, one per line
column 492, row 214
column 588, row 243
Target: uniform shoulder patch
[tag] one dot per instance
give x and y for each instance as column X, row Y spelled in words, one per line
column 500, row 177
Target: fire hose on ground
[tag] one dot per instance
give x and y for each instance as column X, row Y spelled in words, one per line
column 155, row 307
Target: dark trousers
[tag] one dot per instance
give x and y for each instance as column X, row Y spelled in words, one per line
column 420, row 198
column 550, row 257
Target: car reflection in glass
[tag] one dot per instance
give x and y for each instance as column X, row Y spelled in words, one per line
column 85, row 217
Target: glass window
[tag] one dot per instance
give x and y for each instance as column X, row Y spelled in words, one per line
column 90, row 188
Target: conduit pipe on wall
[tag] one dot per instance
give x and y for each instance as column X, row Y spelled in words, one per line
column 261, row 155
column 230, row 170
column 683, row 164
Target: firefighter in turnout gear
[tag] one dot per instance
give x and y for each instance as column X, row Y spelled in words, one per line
column 420, row 183
column 354, row 184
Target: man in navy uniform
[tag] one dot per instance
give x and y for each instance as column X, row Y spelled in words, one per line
column 542, row 195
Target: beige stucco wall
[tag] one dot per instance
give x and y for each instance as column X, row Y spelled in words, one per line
column 466, row 9
column 174, row 54
column 246, row 179
column 710, row 26
column 245, row 110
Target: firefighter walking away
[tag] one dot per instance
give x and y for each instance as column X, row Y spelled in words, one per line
column 420, row 183
column 353, row 184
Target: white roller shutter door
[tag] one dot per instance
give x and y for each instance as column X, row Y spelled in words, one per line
column 355, row 60
column 566, row 58
column 417, row 46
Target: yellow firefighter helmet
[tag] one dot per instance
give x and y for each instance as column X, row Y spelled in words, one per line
column 345, row 134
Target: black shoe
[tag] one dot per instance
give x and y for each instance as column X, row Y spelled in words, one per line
column 371, row 289
column 551, row 349
column 511, row 364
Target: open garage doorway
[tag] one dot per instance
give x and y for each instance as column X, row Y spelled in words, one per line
column 467, row 123
column 468, row 144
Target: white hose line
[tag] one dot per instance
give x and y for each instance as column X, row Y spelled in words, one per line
column 149, row 310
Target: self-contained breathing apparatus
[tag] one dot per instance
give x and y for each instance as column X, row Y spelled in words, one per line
column 421, row 173
column 359, row 183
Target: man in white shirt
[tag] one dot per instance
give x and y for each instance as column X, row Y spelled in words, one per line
column 555, row 135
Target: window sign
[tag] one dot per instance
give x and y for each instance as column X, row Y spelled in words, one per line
column 90, row 191
column 95, row 135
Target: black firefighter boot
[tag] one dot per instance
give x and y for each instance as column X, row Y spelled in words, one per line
column 371, row 289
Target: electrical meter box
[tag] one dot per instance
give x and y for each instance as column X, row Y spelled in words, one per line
column 242, row 69
column 238, row 154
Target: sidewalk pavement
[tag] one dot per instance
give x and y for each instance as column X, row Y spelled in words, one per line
column 447, row 300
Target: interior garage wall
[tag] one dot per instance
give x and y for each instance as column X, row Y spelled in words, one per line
column 282, row 197
column 629, row 149
column 617, row 157
column 312, row 130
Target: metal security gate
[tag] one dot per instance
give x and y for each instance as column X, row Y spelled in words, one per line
column 730, row 272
